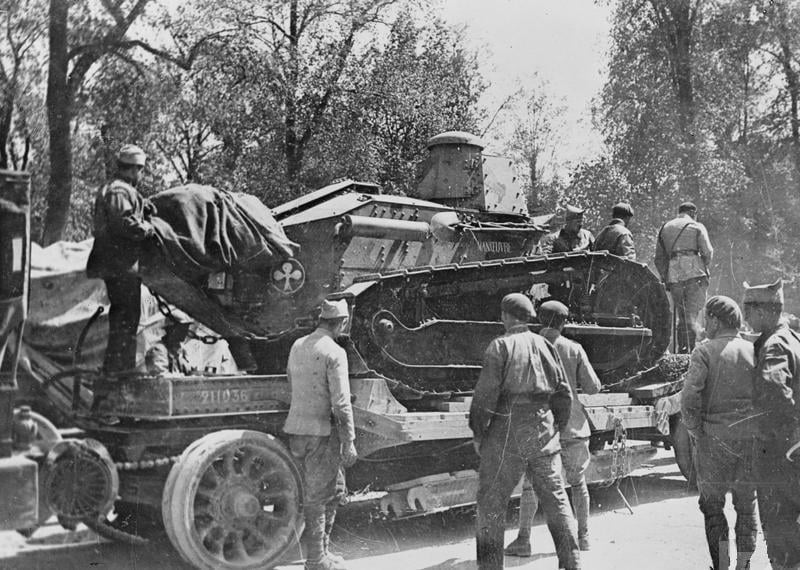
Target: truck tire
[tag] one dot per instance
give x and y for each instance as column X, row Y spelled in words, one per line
column 233, row 500
column 684, row 450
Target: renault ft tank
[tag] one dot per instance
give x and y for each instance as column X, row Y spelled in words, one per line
column 202, row 456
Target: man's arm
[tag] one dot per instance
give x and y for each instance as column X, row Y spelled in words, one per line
column 561, row 398
column 587, row 378
column 662, row 257
column 773, row 392
column 704, row 245
column 122, row 219
column 342, row 409
column 692, row 392
column 627, row 247
column 487, row 391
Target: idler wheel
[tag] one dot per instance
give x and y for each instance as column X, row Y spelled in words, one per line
column 233, row 500
column 81, row 480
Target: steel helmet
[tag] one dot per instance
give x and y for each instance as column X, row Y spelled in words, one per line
column 132, row 155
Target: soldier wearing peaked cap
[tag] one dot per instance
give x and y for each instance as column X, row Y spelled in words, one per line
column 572, row 237
column 776, row 400
column 716, row 402
column 616, row 238
column 683, row 256
column 320, row 427
column 120, row 228
column 521, row 399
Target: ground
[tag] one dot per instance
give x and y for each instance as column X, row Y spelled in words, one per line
column 664, row 532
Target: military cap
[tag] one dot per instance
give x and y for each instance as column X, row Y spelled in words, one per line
column 687, row 207
column 518, row 305
column 334, row 309
column 573, row 212
column 132, row 155
column 622, row 210
column 725, row 309
column 770, row 294
column 556, row 308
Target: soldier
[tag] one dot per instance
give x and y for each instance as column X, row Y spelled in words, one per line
column 317, row 373
column 169, row 356
column 574, row 439
column 120, row 227
column 683, row 255
column 572, row 237
column 716, row 401
column 776, row 400
column 616, row 238
column 522, row 397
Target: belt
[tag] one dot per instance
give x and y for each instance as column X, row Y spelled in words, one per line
column 682, row 252
column 526, row 398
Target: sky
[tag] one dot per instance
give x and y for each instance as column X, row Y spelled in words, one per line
column 564, row 41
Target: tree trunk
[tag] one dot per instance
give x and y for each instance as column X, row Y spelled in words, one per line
column 793, row 88
column 59, row 102
column 291, row 139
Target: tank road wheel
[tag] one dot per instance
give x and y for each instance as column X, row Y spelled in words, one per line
column 233, row 501
column 684, row 449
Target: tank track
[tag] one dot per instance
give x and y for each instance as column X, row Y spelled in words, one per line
column 600, row 290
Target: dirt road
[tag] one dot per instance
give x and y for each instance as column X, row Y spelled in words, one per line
column 664, row 532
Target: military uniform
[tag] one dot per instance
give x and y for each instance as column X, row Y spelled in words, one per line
column 520, row 397
column 715, row 404
column 319, row 423
column 564, row 241
column 683, row 255
column 616, row 238
column 120, row 229
column 777, row 397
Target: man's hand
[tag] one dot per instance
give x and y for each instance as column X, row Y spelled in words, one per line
column 349, row 454
column 477, row 445
column 149, row 209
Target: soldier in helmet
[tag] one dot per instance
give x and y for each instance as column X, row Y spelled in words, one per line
column 616, row 238
column 120, row 227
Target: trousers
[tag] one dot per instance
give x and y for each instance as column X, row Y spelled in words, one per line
column 688, row 299
column 722, row 466
column 779, row 504
column 125, row 297
column 513, row 446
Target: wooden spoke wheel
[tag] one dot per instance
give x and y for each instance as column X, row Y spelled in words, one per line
column 233, row 501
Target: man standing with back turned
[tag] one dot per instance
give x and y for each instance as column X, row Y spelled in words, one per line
column 616, row 238
column 317, row 372
column 776, row 401
column 716, row 405
column 522, row 397
column 120, row 228
column 683, row 256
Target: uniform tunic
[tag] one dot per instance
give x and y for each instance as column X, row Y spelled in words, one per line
column 616, row 238
column 564, row 241
column 521, row 395
column 776, row 395
column 317, row 373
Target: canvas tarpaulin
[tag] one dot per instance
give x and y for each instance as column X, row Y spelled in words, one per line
column 204, row 230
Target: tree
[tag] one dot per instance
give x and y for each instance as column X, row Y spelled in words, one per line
column 21, row 29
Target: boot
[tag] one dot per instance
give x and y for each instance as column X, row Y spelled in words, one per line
column 520, row 547
column 330, row 517
column 743, row 560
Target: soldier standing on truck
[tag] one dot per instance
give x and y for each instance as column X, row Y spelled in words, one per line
column 716, row 401
column 520, row 401
column 616, row 238
column 120, row 228
column 776, row 401
column 683, row 256
column 574, row 439
column 321, row 430
column 572, row 237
